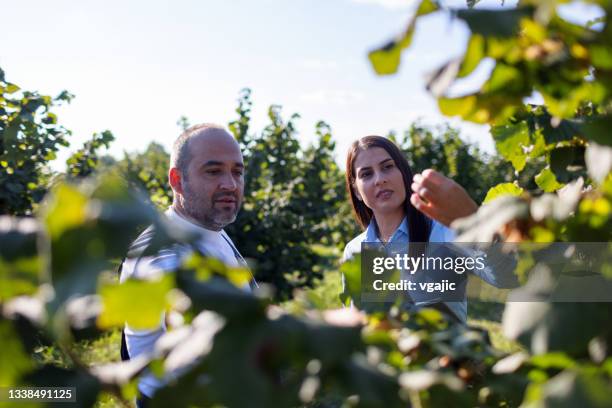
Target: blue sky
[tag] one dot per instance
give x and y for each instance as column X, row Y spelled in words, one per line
column 136, row 67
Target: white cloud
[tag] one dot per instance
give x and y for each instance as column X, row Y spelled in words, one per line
column 341, row 97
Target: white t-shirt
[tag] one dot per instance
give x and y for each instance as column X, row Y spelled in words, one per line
column 212, row 243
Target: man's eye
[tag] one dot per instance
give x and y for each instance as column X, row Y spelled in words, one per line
column 213, row 171
column 238, row 173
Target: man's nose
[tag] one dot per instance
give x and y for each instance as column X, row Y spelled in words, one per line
column 228, row 182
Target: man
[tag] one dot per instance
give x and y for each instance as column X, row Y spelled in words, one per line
column 206, row 177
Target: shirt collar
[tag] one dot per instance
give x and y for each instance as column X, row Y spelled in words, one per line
column 400, row 232
column 188, row 225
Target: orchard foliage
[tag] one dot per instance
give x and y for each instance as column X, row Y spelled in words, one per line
column 147, row 171
column 567, row 142
column 84, row 161
column 292, row 198
column 229, row 337
column 450, row 155
column 29, row 138
column 534, row 51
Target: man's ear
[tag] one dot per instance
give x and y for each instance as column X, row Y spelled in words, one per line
column 175, row 179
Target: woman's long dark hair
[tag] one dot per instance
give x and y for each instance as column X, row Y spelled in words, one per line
column 419, row 225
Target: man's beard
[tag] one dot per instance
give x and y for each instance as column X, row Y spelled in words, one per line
column 205, row 213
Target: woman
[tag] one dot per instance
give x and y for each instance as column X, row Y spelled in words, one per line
column 378, row 180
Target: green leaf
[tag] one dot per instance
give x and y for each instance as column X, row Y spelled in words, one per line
column 386, row 60
column 16, row 361
column 598, row 128
column 494, row 23
column 544, row 326
column 547, row 181
column 504, row 77
column 139, row 303
column 88, row 228
column 219, row 295
column 206, row 266
column 562, row 158
column 474, row 53
column 457, row 106
column 601, row 56
column 21, row 267
column 563, row 101
column 510, row 141
column 11, row 88
column 576, row 389
column 351, row 271
column 566, row 130
column 426, row 7
column 66, row 210
column 553, row 360
column 503, row 189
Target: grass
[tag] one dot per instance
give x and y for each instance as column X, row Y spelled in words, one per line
column 102, row 350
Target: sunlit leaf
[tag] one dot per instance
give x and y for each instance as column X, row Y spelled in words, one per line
column 546, row 181
column 66, row 210
column 386, row 60
column 474, row 53
column 457, row 106
column 504, row 189
column 139, row 303
column 504, row 77
column 351, row 272
column 510, row 141
column 601, row 56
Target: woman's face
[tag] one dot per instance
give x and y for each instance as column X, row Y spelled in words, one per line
column 378, row 181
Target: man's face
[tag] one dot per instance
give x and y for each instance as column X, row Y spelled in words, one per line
column 213, row 187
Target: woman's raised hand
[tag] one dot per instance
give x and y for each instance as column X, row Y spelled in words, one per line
column 440, row 198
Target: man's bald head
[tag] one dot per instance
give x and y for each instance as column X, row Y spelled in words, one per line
column 181, row 153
